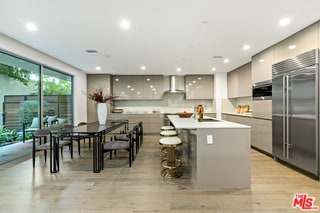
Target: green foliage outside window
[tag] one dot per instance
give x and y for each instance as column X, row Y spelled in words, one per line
column 52, row 88
column 29, row 110
column 17, row 74
column 7, row 135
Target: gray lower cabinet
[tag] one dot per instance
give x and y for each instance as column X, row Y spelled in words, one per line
column 261, row 134
column 261, row 130
column 151, row 122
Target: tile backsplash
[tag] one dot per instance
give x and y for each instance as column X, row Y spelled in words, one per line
column 170, row 103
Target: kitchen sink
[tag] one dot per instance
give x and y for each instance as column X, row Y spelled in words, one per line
column 210, row 120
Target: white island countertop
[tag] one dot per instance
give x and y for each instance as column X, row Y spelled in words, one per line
column 190, row 123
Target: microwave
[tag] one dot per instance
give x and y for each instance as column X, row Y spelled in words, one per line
column 262, row 90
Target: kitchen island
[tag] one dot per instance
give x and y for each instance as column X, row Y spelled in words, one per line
column 217, row 152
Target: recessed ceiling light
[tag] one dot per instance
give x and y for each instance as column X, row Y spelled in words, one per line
column 98, row 68
column 284, row 22
column 91, row 51
column 213, row 69
column 261, row 60
column 226, row 60
column 246, row 47
column 31, row 27
column 124, row 24
column 291, row 47
column 178, row 69
column 143, row 68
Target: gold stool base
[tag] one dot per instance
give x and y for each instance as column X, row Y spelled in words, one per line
column 172, row 173
column 171, row 165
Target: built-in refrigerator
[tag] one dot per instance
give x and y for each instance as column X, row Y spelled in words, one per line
column 295, row 111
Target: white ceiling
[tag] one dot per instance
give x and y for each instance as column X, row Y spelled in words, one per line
column 164, row 34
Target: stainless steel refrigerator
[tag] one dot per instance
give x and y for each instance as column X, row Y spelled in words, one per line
column 295, row 111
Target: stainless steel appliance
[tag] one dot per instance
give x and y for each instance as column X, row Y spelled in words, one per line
column 262, row 90
column 295, row 111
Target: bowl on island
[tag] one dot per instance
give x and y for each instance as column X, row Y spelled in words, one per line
column 184, row 114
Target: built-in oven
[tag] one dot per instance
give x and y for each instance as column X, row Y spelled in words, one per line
column 262, row 90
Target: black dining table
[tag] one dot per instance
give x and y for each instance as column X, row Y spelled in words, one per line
column 97, row 131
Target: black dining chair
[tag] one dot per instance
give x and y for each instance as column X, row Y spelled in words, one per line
column 109, row 146
column 137, row 136
column 47, row 142
column 84, row 136
column 66, row 136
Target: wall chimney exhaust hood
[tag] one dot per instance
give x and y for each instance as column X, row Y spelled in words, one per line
column 176, row 84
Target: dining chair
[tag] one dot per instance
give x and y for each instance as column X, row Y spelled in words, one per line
column 137, row 136
column 113, row 145
column 63, row 138
column 66, row 136
column 140, row 133
column 84, row 136
column 53, row 145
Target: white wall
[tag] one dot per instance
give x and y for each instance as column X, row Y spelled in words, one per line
column 220, row 91
column 80, row 78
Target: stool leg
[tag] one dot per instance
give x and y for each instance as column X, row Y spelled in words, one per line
column 172, row 165
column 171, row 157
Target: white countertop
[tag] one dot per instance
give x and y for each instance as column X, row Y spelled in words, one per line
column 249, row 115
column 190, row 123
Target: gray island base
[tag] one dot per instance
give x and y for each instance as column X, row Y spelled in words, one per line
column 216, row 152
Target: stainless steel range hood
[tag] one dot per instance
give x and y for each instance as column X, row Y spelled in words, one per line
column 176, row 84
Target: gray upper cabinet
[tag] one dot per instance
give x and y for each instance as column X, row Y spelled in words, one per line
column 262, row 66
column 137, row 87
column 199, row 86
column 152, row 86
column 121, row 87
column 239, row 82
column 303, row 41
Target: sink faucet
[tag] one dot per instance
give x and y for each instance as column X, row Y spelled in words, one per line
column 195, row 112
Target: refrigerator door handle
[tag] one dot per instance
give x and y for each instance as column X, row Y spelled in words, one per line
column 287, row 142
column 284, row 116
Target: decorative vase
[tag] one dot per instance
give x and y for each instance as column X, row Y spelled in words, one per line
column 102, row 113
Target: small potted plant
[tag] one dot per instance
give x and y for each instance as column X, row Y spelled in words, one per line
column 101, row 100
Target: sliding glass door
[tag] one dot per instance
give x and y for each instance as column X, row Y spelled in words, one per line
column 19, row 92
column 57, row 97
column 32, row 96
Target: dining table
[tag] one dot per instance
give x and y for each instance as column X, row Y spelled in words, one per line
column 97, row 132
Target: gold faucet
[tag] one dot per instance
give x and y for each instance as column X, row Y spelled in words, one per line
column 200, row 111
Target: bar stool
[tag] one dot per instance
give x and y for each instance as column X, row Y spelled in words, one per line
column 165, row 128
column 169, row 133
column 172, row 165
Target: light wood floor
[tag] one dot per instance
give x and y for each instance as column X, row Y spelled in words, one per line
column 140, row 188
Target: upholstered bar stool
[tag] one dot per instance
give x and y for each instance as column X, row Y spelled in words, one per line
column 165, row 128
column 172, row 165
column 169, row 133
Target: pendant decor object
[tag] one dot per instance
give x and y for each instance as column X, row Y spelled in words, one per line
column 102, row 111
